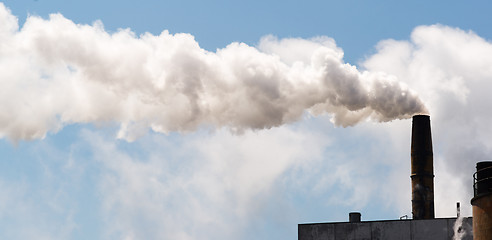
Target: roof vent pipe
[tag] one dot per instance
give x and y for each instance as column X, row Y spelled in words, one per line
column 354, row 217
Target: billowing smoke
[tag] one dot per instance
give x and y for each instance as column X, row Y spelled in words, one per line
column 55, row 72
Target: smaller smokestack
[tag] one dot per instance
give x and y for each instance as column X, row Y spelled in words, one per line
column 354, row 217
column 422, row 168
column 482, row 201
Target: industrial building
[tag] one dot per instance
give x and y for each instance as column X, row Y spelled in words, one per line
column 423, row 224
column 425, row 229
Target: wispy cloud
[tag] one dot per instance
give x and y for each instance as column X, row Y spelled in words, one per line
column 213, row 182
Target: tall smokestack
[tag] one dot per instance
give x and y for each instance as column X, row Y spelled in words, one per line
column 422, row 168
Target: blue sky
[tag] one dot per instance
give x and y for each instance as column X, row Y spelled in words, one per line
column 90, row 152
column 356, row 25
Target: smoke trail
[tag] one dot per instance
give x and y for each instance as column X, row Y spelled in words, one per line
column 54, row 72
column 461, row 230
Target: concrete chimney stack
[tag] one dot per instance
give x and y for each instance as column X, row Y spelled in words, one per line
column 422, row 174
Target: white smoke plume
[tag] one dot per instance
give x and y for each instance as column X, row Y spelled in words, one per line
column 462, row 229
column 54, row 72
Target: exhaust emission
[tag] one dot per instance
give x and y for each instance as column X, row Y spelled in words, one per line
column 59, row 72
column 422, row 174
